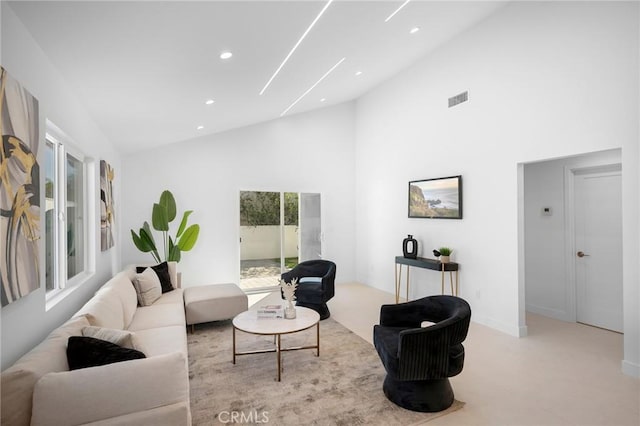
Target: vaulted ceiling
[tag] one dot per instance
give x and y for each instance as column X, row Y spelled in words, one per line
column 145, row 70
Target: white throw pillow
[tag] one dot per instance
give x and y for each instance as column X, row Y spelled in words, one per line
column 148, row 287
column 123, row 338
column 310, row 280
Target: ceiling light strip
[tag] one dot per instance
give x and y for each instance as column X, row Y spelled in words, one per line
column 296, row 46
column 397, row 10
column 312, row 87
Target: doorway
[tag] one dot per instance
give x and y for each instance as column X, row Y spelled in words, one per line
column 277, row 231
column 572, row 239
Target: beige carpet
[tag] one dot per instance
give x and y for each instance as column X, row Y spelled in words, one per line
column 341, row 387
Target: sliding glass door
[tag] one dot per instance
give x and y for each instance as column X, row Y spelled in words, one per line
column 310, row 227
column 277, row 230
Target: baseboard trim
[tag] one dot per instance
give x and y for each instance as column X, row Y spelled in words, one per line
column 523, row 330
column 548, row 312
column 630, row 368
column 510, row 329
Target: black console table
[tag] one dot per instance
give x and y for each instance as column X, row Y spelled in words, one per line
column 433, row 264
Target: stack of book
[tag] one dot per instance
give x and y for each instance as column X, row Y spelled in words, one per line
column 271, row 311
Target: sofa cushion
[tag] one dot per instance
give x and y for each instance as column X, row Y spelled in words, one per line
column 148, row 287
column 17, row 390
column 18, row 381
column 163, row 340
column 213, row 302
column 84, row 352
column 124, row 338
column 162, row 271
column 104, row 310
column 310, row 289
column 175, row 296
column 122, row 284
column 176, row 414
column 158, row 315
column 73, row 398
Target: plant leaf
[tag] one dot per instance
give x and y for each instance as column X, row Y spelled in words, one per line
column 159, row 218
column 189, row 238
column 174, row 254
column 140, row 243
column 169, row 202
column 147, row 240
column 183, row 223
column 147, row 228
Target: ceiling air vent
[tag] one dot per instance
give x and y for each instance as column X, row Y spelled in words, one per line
column 458, row 99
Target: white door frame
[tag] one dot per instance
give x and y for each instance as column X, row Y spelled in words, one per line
column 570, row 231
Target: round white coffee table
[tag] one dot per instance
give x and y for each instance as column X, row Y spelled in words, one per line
column 249, row 322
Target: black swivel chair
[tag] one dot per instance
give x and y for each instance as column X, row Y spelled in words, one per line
column 316, row 282
column 420, row 360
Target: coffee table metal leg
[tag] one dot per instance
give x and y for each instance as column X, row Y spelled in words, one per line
column 234, row 344
column 318, row 338
column 279, row 356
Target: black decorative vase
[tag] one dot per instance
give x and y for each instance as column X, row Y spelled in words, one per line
column 410, row 247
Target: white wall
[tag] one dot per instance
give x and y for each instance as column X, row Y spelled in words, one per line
column 25, row 322
column 310, row 152
column 545, row 80
column 548, row 291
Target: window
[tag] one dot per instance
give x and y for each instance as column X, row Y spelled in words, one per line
column 67, row 210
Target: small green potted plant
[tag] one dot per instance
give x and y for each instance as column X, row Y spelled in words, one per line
column 444, row 252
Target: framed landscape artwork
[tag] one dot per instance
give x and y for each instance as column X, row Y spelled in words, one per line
column 439, row 198
column 19, row 191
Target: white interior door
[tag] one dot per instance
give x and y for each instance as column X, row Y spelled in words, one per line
column 598, row 245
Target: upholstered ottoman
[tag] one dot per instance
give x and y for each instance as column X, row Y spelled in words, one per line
column 213, row 303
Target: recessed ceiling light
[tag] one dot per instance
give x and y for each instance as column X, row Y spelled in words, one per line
column 209, row 101
column 358, row 73
column 397, row 10
column 323, row 99
column 414, row 30
column 226, row 55
column 199, row 127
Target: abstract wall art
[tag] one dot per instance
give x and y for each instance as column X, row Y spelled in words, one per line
column 19, row 191
column 107, row 218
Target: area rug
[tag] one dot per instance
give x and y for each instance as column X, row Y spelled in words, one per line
column 341, row 387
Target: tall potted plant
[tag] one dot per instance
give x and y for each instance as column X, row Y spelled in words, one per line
column 163, row 213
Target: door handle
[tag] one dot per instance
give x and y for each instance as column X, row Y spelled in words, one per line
column 581, row 254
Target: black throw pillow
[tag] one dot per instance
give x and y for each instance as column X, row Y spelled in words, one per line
column 84, row 352
column 162, row 271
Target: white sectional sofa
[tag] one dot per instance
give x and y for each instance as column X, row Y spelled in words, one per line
column 39, row 389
